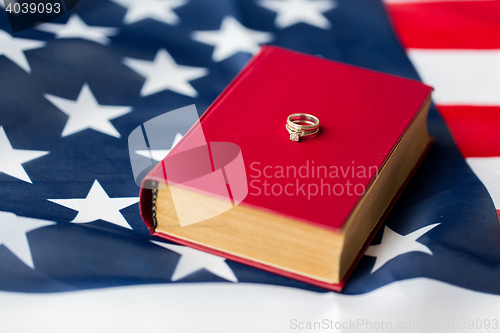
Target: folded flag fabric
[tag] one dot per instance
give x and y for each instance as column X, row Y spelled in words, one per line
column 456, row 48
column 73, row 89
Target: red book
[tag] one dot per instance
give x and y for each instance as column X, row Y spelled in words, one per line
column 310, row 207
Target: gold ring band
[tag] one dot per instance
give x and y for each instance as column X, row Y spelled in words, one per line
column 302, row 133
column 302, row 125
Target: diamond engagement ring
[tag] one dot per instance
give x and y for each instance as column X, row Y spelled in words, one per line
column 302, row 125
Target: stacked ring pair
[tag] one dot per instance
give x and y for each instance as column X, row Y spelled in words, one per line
column 301, row 125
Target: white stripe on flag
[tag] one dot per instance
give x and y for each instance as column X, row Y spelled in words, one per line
column 415, row 305
column 460, row 77
column 487, row 169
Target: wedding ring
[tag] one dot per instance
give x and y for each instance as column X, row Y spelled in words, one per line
column 301, row 125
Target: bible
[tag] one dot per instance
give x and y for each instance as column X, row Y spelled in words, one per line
column 236, row 185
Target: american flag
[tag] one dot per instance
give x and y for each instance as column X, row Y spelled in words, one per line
column 74, row 252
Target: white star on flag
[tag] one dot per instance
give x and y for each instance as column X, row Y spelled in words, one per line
column 232, row 38
column 290, row 12
column 98, row 206
column 160, row 10
column 193, row 260
column 394, row 244
column 11, row 159
column 76, row 28
column 159, row 154
column 13, row 49
column 13, row 230
column 87, row 113
column 164, row 73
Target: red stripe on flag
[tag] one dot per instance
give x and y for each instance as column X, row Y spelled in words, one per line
column 448, row 25
column 498, row 213
column 476, row 129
